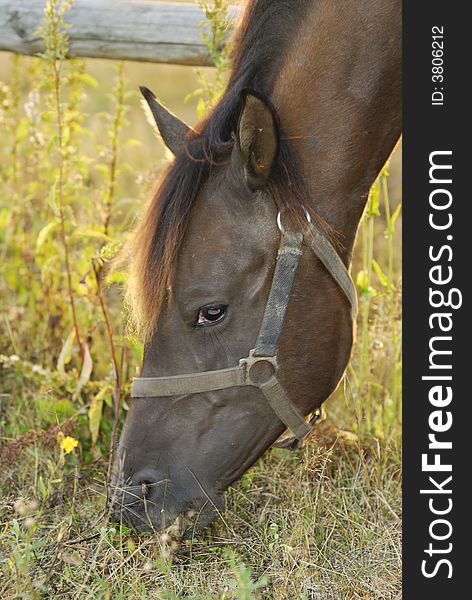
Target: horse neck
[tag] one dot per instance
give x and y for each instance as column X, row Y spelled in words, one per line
column 338, row 96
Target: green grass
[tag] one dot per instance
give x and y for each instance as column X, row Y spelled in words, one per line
column 321, row 523
column 77, row 160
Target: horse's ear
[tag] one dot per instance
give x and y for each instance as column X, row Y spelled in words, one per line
column 258, row 139
column 172, row 130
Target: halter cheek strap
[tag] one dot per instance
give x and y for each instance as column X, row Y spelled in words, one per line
column 249, row 371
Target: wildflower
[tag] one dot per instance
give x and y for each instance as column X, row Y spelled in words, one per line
column 29, row 522
column 148, row 566
column 25, row 507
column 68, row 443
column 20, row 507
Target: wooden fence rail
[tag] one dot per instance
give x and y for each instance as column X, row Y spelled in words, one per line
column 164, row 32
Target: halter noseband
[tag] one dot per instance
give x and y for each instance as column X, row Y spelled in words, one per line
column 248, row 372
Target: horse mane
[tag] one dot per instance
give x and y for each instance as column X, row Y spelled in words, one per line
column 260, row 43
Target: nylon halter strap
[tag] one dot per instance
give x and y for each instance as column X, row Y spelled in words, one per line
column 260, row 368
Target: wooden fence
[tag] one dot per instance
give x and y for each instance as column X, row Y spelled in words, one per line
column 164, row 32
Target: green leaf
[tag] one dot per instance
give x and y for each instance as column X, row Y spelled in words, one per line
column 362, row 280
column 65, row 355
column 102, row 168
column 384, row 172
column 51, row 410
column 373, row 205
column 390, row 231
column 380, row 274
column 89, row 80
column 22, row 130
column 137, row 348
column 86, row 371
column 201, row 107
column 52, row 200
column 116, row 277
column 42, row 489
column 396, row 214
column 44, row 235
column 95, row 412
column 363, row 283
column 88, row 232
column 132, row 142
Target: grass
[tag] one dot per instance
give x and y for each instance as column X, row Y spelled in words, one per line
column 320, row 523
column 75, row 168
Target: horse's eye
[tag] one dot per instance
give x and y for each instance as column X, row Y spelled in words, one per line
column 207, row 315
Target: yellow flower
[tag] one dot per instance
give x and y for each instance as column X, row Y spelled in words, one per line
column 68, row 444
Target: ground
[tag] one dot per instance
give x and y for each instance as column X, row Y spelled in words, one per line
column 321, row 523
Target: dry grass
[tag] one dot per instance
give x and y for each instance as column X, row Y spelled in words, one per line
column 322, row 523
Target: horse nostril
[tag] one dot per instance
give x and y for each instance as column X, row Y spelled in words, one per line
column 145, row 483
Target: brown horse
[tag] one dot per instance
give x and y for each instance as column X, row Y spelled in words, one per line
column 311, row 113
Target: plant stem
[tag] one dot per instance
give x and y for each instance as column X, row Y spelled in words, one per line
column 116, row 367
column 114, row 136
column 396, row 351
column 60, row 186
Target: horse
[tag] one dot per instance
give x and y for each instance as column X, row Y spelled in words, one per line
column 238, row 274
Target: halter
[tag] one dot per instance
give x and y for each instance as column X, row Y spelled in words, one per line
column 260, row 368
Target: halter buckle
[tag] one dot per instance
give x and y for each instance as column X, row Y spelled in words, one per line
column 251, row 360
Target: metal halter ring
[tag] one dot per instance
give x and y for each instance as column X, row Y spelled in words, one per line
column 251, row 360
column 279, row 220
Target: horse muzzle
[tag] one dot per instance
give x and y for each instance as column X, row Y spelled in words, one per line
column 154, row 504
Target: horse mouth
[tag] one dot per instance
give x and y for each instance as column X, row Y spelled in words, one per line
column 192, row 521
